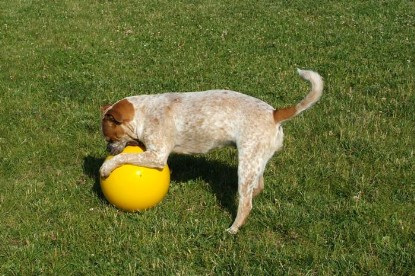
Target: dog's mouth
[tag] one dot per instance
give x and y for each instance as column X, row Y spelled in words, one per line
column 115, row 148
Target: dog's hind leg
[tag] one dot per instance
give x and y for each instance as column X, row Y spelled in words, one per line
column 250, row 183
column 259, row 187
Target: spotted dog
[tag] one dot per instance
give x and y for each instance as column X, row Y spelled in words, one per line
column 196, row 122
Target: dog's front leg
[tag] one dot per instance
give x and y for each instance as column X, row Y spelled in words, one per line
column 150, row 159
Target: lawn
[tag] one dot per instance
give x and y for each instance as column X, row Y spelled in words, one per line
column 339, row 199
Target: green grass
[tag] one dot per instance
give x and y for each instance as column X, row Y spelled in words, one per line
column 339, row 199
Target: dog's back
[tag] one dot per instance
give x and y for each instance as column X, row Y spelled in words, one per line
column 208, row 119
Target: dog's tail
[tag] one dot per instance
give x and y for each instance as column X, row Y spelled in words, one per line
column 313, row 96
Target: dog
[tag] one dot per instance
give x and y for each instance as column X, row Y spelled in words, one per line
column 196, row 122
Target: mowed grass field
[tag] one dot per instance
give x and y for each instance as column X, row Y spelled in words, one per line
column 339, row 199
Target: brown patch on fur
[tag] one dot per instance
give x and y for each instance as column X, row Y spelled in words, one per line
column 123, row 111
column 284, row 114
column 114, row 117
column 104, row 108
column 112, row 132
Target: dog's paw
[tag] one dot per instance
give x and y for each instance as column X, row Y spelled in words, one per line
column 103, row 172
column 106, row 169
column 232, row 230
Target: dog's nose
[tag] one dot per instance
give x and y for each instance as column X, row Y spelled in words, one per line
column 110, row 148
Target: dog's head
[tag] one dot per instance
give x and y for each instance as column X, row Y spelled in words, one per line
column 117, row 125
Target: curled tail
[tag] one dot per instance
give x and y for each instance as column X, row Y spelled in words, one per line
column 313, row 96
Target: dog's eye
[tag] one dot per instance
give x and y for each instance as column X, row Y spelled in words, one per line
column 111, row 118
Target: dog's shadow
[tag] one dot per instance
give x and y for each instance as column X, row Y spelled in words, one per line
column 91, row 169
column 221, row 177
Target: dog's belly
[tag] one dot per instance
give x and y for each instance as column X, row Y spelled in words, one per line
column 200, row 147
column 202, row 141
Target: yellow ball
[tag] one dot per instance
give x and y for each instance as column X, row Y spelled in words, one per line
column 132, row 188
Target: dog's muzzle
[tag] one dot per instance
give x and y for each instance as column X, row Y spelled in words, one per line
column 114, row 148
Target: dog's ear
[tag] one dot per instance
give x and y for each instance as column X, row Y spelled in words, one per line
column 121, row 112
column 111, row 114
column 105, row 108
column 114, row 116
